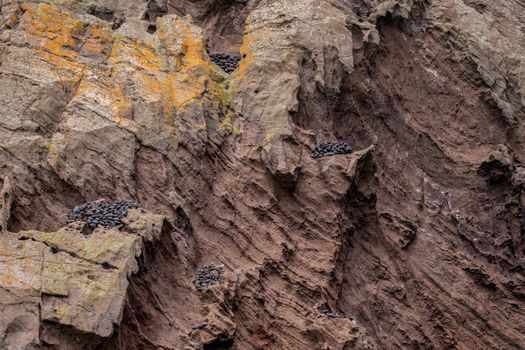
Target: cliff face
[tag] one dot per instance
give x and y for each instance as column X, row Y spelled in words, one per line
column 413, row 241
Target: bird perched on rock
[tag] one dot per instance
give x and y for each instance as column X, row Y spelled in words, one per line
column 101, row 212
column 228, row 63
column 326, row 148
column 208, row 275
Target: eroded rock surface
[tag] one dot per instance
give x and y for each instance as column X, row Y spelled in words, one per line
column 412, row 241
column 65, row 289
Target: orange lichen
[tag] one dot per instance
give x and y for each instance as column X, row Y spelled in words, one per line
column 121, row 105
column 63, row 27
column 170, row 69
column 53, row 34
column 174, row 85
column 189, row 82
column 12, row 275
column 112, row 100
column 98, row 40
column 247, row 53
column 134, row 53
column 147, row 75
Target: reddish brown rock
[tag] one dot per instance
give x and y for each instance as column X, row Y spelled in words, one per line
column 413, row 241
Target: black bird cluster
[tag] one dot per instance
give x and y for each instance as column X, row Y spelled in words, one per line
column 228, row 63
column 104, row 213
column 208, row 275
column 327, row 148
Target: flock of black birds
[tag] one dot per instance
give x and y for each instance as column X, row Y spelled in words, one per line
column 104, row 213
column 110, row 213
column 208, row 275
column 228, row 63
column 326, row 148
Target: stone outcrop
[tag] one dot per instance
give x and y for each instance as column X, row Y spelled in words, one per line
column 65, row 289
column 412, row 241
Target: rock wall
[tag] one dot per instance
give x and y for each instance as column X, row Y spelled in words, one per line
column 413, row 241
column 65, row 289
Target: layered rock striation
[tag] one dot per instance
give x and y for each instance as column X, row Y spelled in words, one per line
column 412, row 241
column 65, row 289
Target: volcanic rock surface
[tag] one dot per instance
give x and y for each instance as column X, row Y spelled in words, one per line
column 415, row 240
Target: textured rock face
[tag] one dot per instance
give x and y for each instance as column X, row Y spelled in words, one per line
column 65, row 289
column 413, row 241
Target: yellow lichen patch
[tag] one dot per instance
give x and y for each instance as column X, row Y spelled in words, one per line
column 170, row 69
column 126, row 52
column 227, row 125
column 167, row 91
column 193, row 52
column 247, row 54
column 187, row 88
column 53, row 34
column 148, row 85
column 6, row 277
column 98, row 40
column 120, row 104
column 193, row 71
column 221, row 92
column 56, row 29
column 89, row 90
column 144, row 64
column 111, row 101
column 20, row 263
